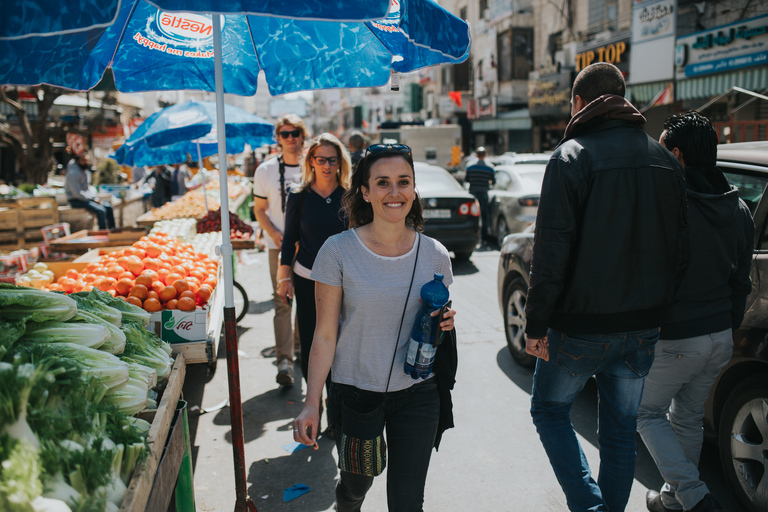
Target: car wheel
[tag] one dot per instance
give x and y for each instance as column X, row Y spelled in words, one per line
column 462, row 255
column 743, row 440
column 502, row 229
column 515, row 296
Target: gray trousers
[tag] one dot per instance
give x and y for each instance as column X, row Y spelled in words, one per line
column 678, row 384
column 286, row 338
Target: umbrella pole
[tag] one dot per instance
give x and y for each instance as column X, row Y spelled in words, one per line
column 202, row 174
column 243, row 502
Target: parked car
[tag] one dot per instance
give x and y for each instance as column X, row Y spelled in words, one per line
column 736, row 412
column 451, row 214
column 514, row 199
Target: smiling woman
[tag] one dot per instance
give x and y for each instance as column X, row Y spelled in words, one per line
column 362, row 276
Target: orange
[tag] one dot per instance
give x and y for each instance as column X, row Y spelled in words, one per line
column 168, row 293
column 123, row 286
column 152, row 305
column 139, row 252
column 186, row 304
column 72, row 273
column 144, row 280
column 151, row 273
column 112, row 292
column 204, row 294
column 157, row 287
column 193, row 286
column 139, row 291
column 211, row 281
column 126, row 275
column 171, row 304
column 115, row 271
column 187, row 293
column 202, row 256
column 89, row 278
column 91, row 266
column 162, row 274
column 151, row 294
column 107, row 284
column 180, row 285
column 153, row 250
column 87, row 288
column 54, row 287
column 132, row 299
column 179, row 269
column 171, row 278
column 123, row 262
column 197, row 274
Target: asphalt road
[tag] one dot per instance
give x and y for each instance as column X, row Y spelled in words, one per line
column 492, row 460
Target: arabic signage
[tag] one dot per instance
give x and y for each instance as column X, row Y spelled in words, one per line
column 652, row 20
column 738, row 45
column 653, row 40
column 550, row 95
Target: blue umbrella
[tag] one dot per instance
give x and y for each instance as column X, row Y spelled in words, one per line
column 151, row 49
column 192, row 124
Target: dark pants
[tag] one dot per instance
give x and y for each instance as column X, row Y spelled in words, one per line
column 306, row 317
column 103, row 211
column 482, row 198
column 411, row 425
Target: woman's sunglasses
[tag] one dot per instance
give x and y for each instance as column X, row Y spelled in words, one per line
column 394, row 148
column 293, row 133
column 321, row 160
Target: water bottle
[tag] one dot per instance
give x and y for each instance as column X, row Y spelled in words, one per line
column 421, row 348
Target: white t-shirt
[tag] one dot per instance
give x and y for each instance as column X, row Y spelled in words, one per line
column 266, row 185
column 374, row 291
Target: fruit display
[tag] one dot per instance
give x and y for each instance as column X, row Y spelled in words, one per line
column 181, row 229
column 190, row 205
column 238, row 229
column 157, row 272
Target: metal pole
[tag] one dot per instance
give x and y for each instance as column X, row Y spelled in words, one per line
column 243, row 503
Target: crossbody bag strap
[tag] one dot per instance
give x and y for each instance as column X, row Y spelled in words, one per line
column 405, row 306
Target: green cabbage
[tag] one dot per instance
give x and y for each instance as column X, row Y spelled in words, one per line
column 20, row 303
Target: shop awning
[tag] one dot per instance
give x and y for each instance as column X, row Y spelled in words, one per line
column 515, row 120
column 755, row 79
column 643, row 93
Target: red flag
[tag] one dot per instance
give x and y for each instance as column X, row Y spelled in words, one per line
column 455, row 97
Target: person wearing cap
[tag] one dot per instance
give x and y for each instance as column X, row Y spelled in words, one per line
column 480, row 176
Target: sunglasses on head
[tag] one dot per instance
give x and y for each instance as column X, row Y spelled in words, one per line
column 393, row 148
column 293, row 133
column 321, row 160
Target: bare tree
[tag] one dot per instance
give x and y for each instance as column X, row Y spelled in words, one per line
column 33, row 143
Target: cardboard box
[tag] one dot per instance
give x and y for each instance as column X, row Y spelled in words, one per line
column 177, row 326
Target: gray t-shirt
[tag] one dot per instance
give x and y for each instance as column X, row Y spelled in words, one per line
column 374, row 292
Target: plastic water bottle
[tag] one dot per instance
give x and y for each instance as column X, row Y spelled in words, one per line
column 421, row 348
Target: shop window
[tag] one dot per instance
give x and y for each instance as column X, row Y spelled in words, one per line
column 515, row 50
column 603, row 15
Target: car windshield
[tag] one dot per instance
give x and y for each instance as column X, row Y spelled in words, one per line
column 751, row 188
column 533, row 176
column 431, row 181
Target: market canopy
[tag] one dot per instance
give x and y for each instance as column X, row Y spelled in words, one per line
column 151, row 49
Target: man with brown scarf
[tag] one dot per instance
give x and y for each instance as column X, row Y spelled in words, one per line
column 609, row 249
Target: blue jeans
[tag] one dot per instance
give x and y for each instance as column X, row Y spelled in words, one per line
column 103, row 211
column 619, row 363
column 411, row 418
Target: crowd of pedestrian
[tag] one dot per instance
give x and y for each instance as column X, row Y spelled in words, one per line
column 639, row 275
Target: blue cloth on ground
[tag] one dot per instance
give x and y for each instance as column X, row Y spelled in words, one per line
column 294, row 492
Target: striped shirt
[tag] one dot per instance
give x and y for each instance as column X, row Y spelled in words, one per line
column 479, row 176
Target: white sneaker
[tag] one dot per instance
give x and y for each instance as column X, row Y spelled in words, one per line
column 285, row 373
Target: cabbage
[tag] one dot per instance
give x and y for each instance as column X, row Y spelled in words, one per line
column 87, row 335
column 128, row 311
column 105, row 367
column 88, row 302
column 115, row 343
column 21, row 303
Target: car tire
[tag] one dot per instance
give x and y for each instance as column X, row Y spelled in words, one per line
column 743, row 437
column 515, row 295
column 462, row 255
column 502, row 229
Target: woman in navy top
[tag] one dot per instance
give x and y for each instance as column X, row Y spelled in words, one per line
column 312, row 214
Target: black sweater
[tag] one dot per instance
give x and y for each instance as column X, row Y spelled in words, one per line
column 713, row 294
column 319, row 220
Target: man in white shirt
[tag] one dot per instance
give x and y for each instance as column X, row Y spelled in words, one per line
column 271, row 184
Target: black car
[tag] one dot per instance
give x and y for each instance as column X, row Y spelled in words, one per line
column 736, row 412
column 451, row 214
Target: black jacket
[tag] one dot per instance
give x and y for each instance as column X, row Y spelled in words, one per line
column 610, row 245
column 713, row 294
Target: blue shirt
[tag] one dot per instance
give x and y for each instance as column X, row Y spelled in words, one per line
column 320, row 219
column 480, row 176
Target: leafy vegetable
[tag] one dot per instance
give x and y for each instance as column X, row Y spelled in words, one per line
column 106, row 368
column 18, row 303
column 115, row 343
column 128, row 310
column 146, row 348
column 87, row 335
column 19, row 475
column 95, row 305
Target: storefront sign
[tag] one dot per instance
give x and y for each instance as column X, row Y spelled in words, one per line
column 613, row 53
column 550, row 95
column 738, row 45
column 652, row 20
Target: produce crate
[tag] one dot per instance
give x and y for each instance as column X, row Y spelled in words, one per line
column 149, row 483
column 84, row 240
column 21, row 220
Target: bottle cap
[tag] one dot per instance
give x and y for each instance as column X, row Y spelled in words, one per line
column 438, row 276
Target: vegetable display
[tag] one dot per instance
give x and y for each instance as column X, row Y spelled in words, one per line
column 238, row 229
column 73, row 371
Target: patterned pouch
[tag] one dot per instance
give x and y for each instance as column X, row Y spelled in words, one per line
column 362, row 450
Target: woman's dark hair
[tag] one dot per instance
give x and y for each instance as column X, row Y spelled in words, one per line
column 695, row 137
column 360, row 212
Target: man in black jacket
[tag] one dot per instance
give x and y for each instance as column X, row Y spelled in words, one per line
column 609, row 249
column 696, row 340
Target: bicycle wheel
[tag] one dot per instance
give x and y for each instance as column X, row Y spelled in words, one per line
column 241, row 301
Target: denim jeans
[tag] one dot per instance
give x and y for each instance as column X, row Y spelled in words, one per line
column 619, row 363
column 410, row 427
column 105, row 216
column 679, row 383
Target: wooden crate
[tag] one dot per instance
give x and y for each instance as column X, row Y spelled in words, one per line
column 21, row 220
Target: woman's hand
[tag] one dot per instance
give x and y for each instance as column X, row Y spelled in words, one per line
column 305, row 425
column 447, row 322
column 284, row 284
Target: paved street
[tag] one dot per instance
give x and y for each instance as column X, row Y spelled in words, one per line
column 492, row 460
